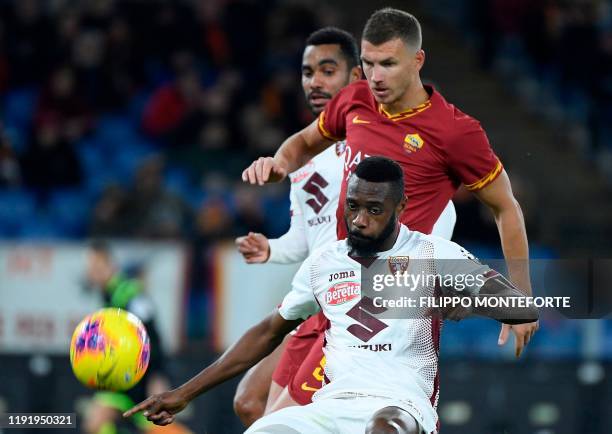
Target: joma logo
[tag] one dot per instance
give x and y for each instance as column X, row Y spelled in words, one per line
column 341, row 275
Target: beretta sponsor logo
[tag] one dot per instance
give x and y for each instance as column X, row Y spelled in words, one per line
column 342, row 292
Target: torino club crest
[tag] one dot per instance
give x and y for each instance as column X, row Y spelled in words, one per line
column 398, row 264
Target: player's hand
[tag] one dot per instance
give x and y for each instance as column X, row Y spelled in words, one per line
column 160, row 409
column 522, row 335
column 254, row 247
column 262, row 170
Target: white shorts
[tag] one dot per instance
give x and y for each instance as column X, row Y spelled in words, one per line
column 324, row 416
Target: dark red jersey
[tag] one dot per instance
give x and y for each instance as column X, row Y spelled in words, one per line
column 438, row 146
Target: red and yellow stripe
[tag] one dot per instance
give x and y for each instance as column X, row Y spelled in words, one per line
column 324, row 131
column 487, row 179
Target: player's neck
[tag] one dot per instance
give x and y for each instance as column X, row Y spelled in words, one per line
column 386, row 245
column 414, row 96
column 391, row 240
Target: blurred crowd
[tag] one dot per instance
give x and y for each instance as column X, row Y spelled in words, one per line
column 556, row 55
column 135, row 118
column 140, row 115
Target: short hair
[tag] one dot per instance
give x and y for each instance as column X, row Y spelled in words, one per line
column 389, row 23
column 334, row 35
column 382, row 169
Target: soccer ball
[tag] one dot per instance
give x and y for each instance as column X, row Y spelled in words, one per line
column 110, row 350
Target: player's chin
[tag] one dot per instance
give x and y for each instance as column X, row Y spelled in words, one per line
column 386, row 99
column 316, row 109
column 359, row 242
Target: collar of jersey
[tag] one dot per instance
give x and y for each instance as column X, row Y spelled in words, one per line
column 406, row 113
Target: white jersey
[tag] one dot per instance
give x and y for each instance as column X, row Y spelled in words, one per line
column 391, row 358
column 314, row 195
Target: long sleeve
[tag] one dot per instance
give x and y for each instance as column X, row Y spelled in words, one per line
column 293, row 246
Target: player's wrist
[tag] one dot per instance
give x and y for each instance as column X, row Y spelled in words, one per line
column 282, row 163
column 186, row 393
column 267, row 251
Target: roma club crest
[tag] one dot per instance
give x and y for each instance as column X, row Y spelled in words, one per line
column 413, row 142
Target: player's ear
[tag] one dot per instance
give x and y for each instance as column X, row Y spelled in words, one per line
column 419, row 59
column 401, row 206
column 355, row 74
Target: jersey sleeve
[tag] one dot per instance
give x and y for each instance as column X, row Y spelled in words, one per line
column 332, row 120
column 292, row 247
column 445, row 225
column 471, row 158
column 300, row 302
column 458, row 268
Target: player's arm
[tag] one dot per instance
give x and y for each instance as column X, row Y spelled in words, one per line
column 523, row 320
column 500, row 200
column 456, row 261
column 476, row 280
column 471, row 158
column 296, row 151
column 498, row 286
column 292, row 247
column 494, row 285
column 254, row 345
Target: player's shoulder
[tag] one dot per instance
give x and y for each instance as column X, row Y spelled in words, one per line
column 459, row 121
column 443, row 248
column 465, row 123
column 426, row 245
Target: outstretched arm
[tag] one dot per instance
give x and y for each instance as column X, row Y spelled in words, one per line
column 498, row 286
column 509, row 314
column 254, row 345
column 508, row 216
column 499, row 198
column 296, row 151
